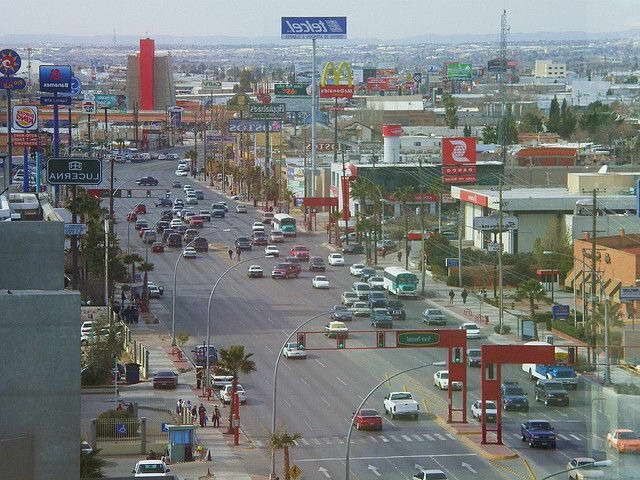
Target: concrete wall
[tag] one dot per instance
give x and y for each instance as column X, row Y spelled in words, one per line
column 16, row 457
column 32, row 256
column 606, row 225
column 40, row 388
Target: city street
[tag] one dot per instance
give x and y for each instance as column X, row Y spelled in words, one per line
column 316, row 396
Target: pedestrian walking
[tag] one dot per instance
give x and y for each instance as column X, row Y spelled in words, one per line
column 216, row 416
column 238, row 252
column 230, row 252
column 202, row 414
column 464, row 295
column 399, row 255
column 194, row 415
column 188, row 405
column 179, row 406
column 451, row 295
column 483, row 292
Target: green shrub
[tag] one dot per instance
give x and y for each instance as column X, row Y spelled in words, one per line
column 568, row 328
column 94, row 375
column 452, row 280
column 627, row 388
column 506, row 329
column 107, row 424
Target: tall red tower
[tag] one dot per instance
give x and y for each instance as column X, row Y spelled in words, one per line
column 145, row 63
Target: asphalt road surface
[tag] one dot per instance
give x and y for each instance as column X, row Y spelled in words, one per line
column 316, row 396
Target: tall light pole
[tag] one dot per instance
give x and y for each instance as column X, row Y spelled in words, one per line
column 348, row 447
column 601, row 463
column 275, row 383
column 173, row 296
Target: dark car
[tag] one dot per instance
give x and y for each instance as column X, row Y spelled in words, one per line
column 316, row 264
column 243, row 243
column 166, row 217
column 190, row 235
column 165, row 379
column 551, row 392
column 396, row 310
column 149, row 181
column 199, row 194
column 380, row 318
column 377, row 299
column 174, row 240
column 341, row 313
column 200, row 244
column 353, row 249
column 538, row 433
column 176, row 185
column 164, row 202
column 514, row 397
column 434, row 316
column 367, row 272
column 181, row 229
column 166, row 233
column 161, row 226
column 200, row 355
column 218, row 210
column 259, row 238
column 474, row 357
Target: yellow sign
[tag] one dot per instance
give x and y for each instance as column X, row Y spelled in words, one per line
column 295, row 472
column 340, row 74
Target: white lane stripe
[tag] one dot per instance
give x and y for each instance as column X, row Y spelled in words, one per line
column 418, row 438
column 304, row 440
column 384, row 439
column 451, row 436
column 407, row 438
column 576, row 437
column 316, row 441
column 517, row 435
column 394, row 438
column 373, row 439
column 562, row 436
column 438, row 436
column 428, row 437
column 341, row 381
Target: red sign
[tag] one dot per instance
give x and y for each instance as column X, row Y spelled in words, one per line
column 336, row 91
column 379, row 84
column 449, row 179
column 351, row 171
column 459, row 151
column 26, row 140
column 385, row 72
column 346, row 214
column 392, row 131
column 475, row 198
column 264, row 98
column 420, row 197
column 320, row 202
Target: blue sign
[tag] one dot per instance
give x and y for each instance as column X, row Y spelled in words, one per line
column 55, row 100
column 121, row 428
column 253, row 126
column 560, row 311
column 9, row 62
column 314, row 27
column 55, row 78
column 76, row 86
column 452, row 262
column 75, row 229
column 165, row 427
column 12, row 83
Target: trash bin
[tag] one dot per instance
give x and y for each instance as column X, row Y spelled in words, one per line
column 548, row 339
column 132, row 373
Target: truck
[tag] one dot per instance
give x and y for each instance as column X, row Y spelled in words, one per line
column 401, row 404
column 560, row 372
column 538, row 433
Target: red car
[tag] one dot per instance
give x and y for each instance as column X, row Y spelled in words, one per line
column 140, row 209
column 132, row 217
column 196, row 222
column 142, row 230
column 368, row 419
column 300, row 252
column 157, row 247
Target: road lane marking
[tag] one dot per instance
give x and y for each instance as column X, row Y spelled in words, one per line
column 297, row 444
column 394, row 438
column 320, row 363
column 576, row 437
column 438, row 436
column 563, row 437
column 373, row 439
column 340, row 441
column 341, row 459
column 452, row 437
column 387, row 420
column 418, row 438
column 428, row 437
column 407, row 438
column 341, row 381
column 384, row 439
column 316, row 441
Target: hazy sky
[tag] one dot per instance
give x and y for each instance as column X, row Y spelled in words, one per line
column 385, row 19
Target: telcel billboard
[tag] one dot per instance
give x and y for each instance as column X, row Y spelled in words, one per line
column 314, row 27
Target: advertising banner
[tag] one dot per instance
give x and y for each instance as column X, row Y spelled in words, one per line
column 270, row 111
column 459, row 151
column 314, row 27
column 28, row 139
column 55, row 78
column 106, row 101
column 459, row 71
column 12, row 83
column 211, row 85
column 376, row 84
column 336, row 91
column 254, row 126
column 25, row 118
column 292, row 90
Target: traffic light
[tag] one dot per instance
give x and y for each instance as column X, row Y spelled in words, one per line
column 129, row 193
column 380, row 336
column 341, row 340
column 301, row 342
column 457, row 355
column 148, row 193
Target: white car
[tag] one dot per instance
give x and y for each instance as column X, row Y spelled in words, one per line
column 187, row 186
column 86, row 328
column 376, row 282
column 490, row 409
column 150, row 469
column 356, row 269
column 473, row 330
column 293, row 350
column 272, row 250
column 320, row 281
column 181, row 173
column 154, row 291
column 176, row 222
column 257, row 227
column 225, row 394
column 336, row 259
column 189, row 252
column 441, row 380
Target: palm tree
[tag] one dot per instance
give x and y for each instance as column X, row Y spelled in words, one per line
column 235, row 361
column 533, row 291
column 132, row 259
column 334, row 218
column 404, row 195
column 146, row 268
column 282, row 441
column 91, row 465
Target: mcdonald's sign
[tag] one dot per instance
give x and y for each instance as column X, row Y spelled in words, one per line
column 336, row 82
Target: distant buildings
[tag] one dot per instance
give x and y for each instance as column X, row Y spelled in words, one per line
column 150, row 79
column 549, row 69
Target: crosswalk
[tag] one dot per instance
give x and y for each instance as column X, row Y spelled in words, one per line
column 387, row 438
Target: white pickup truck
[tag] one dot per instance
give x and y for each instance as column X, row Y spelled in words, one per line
column 225, row 394
column 401, row 404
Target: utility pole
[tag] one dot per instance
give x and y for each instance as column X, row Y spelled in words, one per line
column 461, row 232
column 594, row 233
column 504, row 30
column 423, row 254
column 335, row 131
column 345, row 206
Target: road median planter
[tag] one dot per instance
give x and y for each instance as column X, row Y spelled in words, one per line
column 471, row 436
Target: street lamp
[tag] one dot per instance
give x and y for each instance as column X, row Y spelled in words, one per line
column 173, row 296
column 601, row 463
column 353, row 419
column 275, row 381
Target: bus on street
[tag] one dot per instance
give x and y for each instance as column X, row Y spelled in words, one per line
column 401, row 282
column 285, row 223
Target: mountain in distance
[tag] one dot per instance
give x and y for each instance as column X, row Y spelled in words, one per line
column 519, row 37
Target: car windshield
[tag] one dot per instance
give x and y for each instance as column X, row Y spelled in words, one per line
column 358, row 265
column 321, row 279
column 362, row 286
column 565, row 374
column 628, row 436
column 491, row 404
column 540, row 425
column 151, row 468
column 470, row 326
column 444, row 375
column 434, row 311
column 165, row 374
column 369, row 413
column 474, row 353
column 513, row 391
column 401, row 396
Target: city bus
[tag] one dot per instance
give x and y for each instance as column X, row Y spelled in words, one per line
column 285, row 223
column 401, row 282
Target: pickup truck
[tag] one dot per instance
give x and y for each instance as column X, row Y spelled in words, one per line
column 401, row 404
column 538, row 433
column 560, row 373
column 220, row 381
column 225, row 394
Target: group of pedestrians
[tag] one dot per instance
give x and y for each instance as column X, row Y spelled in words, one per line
column 464, row 294
column 198, row 415
column 238, row 252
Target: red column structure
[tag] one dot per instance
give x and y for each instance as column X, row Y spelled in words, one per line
column 235, row 405
column 492, row 357
column 145, row 64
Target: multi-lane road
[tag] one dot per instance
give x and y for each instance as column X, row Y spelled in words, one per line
column 316, row 396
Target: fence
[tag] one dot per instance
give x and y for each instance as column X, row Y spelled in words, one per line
column 137, row 351
column 119, row 429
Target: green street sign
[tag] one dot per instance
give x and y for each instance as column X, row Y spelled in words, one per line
column 291, row 90
column 74, row 171
column 268, row 111
column 459, row 71
column 417, row 339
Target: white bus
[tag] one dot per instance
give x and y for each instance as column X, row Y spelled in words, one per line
column 401, row 282
column 285, row 223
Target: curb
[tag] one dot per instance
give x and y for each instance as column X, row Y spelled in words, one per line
column 464, row 438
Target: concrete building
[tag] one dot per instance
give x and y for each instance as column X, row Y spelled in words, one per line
column 549, row 69
column 40, row 355
column 150, row 79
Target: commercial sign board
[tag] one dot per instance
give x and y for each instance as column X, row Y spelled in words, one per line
column 629, row 294
column 60, row 100
column 376, row 84
column 25, row 117
column 336, row 91
column 459, row 71
column 75, row 229
column 322, row 147
column 89, row 107
column 459, row 160
column 314, row 27
column 342, row 75
column 10, row 62
column 417, row 338
column 254, row 126
column 106, row 101
column 211, row 85
column 292, row 90
column 560, row 311
column 475, row 198
column 28, row 139
column 74, row 171
column 55, row 78
column 268, row 111
column 12, row 83
column 491, row 223
column 451, row 262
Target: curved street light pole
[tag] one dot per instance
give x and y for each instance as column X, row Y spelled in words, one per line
column 173, row 296
column 348, row 449
column 601, row 463
column 275, row 383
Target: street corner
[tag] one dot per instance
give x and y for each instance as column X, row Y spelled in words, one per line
column 471, row 436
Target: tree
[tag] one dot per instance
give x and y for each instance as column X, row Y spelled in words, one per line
column 568, row 120
column 234, row 361
column 404, row 195
column 532, row 121
column 507, row 128
column 556, row 240
column 489, row 135
column 246, row 79
column 467, row 131
column 91, row 465
column 450, row 111
column 533, row 291
column 132, row 259
column 146, row 268
column 283, row 441
column 596, row 116
column 553, row 124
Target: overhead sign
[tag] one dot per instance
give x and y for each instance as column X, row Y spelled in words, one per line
column 25, row 117
column 9, row 62
column 267, row 111
column 211, row 85
column 254, row 126
column 55, row 78
column 106, row 101
column 491, row 223
column 291, row 90
column 629, row 294
column 89, row 107
column 74, row 171
column 314, row 27
column 61, row 100
column 459, row 71
column 12, row 83
column 417, row 338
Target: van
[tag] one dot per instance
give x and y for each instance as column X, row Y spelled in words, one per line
column 149, row 236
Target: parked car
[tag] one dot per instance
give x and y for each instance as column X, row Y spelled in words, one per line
column 205, row 215
column 226, row 394
column 190, row 235
column 140, row 209
column 368, row 419
column 441, row 380
column 259, row 239
column 174, row 240
column 161, row 225
column 255, row 271
column 165, row 379
column 164, row 202
column 434, row 316
column 199, row 194
column 150, row 469
column 360, row 309
column 349, row 298
column 149, row 236
column 141, row 224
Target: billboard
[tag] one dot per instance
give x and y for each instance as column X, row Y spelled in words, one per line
column 254, row 126
column 106, row 101
column 459, row 71
column 25, row 118
column 55, row 78
column 313, row 27
column 292, row 90
column 376, row 84
column 459, row 160
column 270, row 111
column 492, row 222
